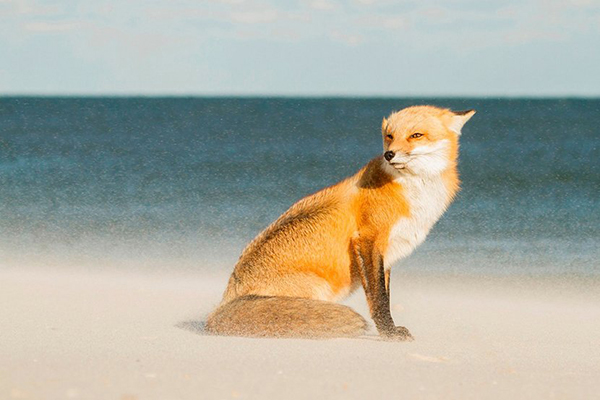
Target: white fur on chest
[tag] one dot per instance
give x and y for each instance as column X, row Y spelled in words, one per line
column 427, row 199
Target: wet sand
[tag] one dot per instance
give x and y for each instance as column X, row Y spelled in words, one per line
column 113, row 335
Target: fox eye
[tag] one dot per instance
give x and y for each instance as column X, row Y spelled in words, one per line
column 415, row 135
column 389, row 136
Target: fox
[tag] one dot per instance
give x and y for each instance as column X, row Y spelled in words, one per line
column 289, row 279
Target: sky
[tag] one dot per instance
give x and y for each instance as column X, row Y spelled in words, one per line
column 301, row 47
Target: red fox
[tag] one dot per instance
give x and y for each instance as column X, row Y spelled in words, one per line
column 325, row 246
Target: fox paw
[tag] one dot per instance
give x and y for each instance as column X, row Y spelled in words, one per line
column 398, row 334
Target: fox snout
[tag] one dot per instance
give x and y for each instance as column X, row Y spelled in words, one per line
column 397, row 159
column 396, row 156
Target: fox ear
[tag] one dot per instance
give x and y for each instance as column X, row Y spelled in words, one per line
column 384, row 124
column 459, row 119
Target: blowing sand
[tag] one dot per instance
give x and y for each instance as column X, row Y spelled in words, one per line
column 112, row 335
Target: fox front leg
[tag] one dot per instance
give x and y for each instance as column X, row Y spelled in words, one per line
column 400, row 332
column 375, row 281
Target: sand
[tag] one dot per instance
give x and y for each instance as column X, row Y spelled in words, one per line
column 115, row 335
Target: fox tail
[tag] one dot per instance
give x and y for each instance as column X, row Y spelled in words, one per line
column 278, row 316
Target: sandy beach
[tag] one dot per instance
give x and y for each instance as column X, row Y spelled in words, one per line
column 113, row 335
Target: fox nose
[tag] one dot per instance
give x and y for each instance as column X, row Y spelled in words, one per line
column 388, row 155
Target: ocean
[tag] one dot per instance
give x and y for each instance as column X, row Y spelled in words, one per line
column 185, row 183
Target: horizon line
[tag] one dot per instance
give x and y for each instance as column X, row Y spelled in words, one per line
column 298, row 96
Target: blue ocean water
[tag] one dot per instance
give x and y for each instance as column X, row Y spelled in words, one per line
column 186, row 182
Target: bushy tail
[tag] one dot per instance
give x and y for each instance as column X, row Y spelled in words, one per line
column 262, row 316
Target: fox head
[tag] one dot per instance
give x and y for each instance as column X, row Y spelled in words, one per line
column 423, row 140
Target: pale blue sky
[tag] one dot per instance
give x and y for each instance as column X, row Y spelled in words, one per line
column 312, row 47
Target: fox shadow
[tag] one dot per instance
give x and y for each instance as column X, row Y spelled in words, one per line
column 195, row 326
